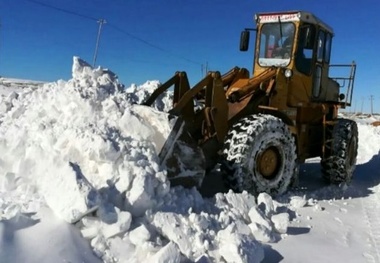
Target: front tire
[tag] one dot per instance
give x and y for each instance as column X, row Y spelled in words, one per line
column 260, row 155
column 339, row 162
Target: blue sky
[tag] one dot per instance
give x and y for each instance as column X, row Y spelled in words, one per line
column 151, row 40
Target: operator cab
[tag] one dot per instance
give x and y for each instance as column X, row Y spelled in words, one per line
column 290, row 37
column 300, row 43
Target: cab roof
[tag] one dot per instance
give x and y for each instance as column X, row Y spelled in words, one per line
column 286, row 16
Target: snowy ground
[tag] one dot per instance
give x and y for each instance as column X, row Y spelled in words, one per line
column 80, row 182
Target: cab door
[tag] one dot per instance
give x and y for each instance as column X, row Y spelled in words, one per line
column 321, row 69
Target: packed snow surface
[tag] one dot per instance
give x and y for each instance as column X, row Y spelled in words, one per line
column 80, row 182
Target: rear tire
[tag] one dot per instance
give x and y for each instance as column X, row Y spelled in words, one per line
column 259, row 155
column 339, row 162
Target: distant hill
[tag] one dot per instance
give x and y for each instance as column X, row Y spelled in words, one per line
column 7, row 85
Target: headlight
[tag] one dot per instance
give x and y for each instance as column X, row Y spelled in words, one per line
column 288, row 73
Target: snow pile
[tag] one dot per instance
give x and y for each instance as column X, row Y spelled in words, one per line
column 82, row 148
column 370, row 134
column 227, row 228
column 76, row 137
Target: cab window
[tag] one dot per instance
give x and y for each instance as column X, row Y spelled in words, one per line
column 275, row 44
column 328, row 47
column 321, row 46
column 304, row 53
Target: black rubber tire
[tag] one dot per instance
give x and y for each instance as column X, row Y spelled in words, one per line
column 246, row 141
column 339, row 162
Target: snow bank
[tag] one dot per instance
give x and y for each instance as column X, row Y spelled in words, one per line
column 368, row 133
column 75, row 136
column 83, row 149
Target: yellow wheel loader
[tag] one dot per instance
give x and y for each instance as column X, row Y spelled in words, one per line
column 260, row 127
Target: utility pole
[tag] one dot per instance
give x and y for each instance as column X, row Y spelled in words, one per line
column 101, row 22
column 205, row 69
column 371, row 98
column 361, row 109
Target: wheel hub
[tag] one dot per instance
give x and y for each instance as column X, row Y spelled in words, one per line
column 268, row 162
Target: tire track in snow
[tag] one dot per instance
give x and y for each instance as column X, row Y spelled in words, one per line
column 371, row 207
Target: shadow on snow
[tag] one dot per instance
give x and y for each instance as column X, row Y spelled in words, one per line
column 311, row 184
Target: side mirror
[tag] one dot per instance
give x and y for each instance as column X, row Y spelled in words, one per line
column 244, row 40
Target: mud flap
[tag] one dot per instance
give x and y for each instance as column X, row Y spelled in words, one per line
column 182, row 157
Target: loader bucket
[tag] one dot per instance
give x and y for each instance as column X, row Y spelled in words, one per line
column 182, row 157
column 179, row 154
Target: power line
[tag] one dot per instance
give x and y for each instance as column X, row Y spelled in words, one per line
column 63, row 10
column 153, row 45
column 117, row 29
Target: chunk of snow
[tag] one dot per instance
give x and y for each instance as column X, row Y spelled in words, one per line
column 170, row 225
column 265, row 201
column 261, row 233
column 298, row 201
column 122, row 225
column 167, row 254
column 281, row 222
column 235, row 247
column 139, row 235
